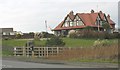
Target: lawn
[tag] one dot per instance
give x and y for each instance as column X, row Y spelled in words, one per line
column 78, row 42
column 20, row 42
column 14, row 42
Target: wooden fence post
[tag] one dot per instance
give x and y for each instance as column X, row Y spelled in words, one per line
column 14, row 51
column 32, row 54
column 46, row 51
column 57, row 50
column 24, row 50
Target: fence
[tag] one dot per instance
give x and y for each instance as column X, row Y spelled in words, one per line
column 107, row 52
column 38, row 51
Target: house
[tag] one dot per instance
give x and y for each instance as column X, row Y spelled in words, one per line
column 81, row 20
column 7, row 31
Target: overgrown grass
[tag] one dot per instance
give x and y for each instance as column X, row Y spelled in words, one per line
column 90, row 54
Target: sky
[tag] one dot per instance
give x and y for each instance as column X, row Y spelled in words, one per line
column 30, row 15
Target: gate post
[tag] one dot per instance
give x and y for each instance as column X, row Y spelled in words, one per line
column 14, row 51
column 32, row 54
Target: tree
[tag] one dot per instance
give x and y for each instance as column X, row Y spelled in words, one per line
column 105, row 25
column 55, row 41
column 18, row 36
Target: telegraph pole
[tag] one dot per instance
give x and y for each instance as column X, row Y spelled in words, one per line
column 46, row 28
column 46, row 25
column 98, row 20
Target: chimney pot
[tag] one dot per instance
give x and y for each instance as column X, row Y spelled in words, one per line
column 71, row 13
column 101, row 12
column 92, row 11
column 108, row 16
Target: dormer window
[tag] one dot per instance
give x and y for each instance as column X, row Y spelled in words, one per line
column 78, row 21
column 71, row 24
column 66, row 24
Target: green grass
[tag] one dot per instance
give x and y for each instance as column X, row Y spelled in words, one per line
column 39, row 43
column 0, row 42
column 84, row 42
column 78, row 42
column 69, row 42
column 21, row 42
column 14, row 42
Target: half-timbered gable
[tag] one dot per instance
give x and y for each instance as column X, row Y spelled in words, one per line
column 78, row 21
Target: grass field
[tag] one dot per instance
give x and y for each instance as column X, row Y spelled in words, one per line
column 20, row 42
column 69, row 42
column 9, row 44
column 78, row 42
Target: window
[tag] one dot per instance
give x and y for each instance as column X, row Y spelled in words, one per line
column 71, row 24
column 75, row 24
column 4, row 33
column 79, row 23
column 66, row 24
column 101, row 23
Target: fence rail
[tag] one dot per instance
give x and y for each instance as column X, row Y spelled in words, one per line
column 38, row 51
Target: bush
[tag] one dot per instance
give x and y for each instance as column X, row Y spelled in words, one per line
column 99, row 43
column 6, row 38
column 93, row 34
column 18, row 36
column 55, row 41
column 73, row 35
column 47, row 35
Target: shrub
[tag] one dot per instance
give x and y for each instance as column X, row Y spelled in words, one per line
column 46, row 35
column 93, row 34
column 73, row 35
column 55, row 41
column 18, row 36
column 6, row 38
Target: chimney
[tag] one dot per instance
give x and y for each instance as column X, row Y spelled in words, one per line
column 100, row 12
column 71, row 13
column 92, row 11
column 108, row 16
